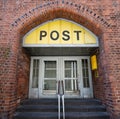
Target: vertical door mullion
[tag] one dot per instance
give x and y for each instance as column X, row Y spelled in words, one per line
column 90, row 78
column 85, row 72
column 62, row 71
column 35, row 68
column 31, row 73
column 57, row 72
column 81, row 77
column 39, row 79
column 75, row 71
column 72, row 75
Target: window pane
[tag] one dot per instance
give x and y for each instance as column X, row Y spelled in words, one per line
column 70, row 69
column 35, row 74
column 67, row 64
column 50, row 64
column 67, row 73
column 71, row 85
column 85, row 73
column 50, row 69
column 71, row 74
column 86, row 83
column 68, row 85
column 50, row 73
column 49, row 84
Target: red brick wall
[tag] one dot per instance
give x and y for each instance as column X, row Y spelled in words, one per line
column 23, row 70
column 17, row 17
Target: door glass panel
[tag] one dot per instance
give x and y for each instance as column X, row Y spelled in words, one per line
column 50, row 64
column 50, row 69
column 50, row 73
column 85, row 73
column 68, row 73
column 35, row 74
column 71, row 80
column 49, row 85
column 68, row 85
column 68, row 64
column 71, row 85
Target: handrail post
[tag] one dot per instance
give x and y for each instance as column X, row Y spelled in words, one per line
column 58, row 106
column 63, row 100
column 61, row 88
column 58, row 83
column 63, row 103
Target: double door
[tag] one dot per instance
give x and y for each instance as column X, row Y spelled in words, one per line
column 73, row 72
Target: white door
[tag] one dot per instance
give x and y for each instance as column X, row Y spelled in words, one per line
column 70, row 76
column 49, row 76
column 86, row 88
column 73, row 71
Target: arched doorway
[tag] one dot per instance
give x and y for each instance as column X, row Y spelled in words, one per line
column 60, row 51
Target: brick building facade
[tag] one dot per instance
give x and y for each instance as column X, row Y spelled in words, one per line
column 18, row 17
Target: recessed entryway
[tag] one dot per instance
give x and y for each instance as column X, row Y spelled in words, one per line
column 74, row 71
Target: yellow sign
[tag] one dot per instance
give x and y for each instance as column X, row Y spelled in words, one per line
column 59, row 32
column 94, row 62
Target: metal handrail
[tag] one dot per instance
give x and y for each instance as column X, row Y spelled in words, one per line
column 58, row 87
column 58, row 99
column 61, row 93
column 63, row 99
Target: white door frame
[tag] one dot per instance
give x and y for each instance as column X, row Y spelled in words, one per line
column 84, row 92
column 41, row 78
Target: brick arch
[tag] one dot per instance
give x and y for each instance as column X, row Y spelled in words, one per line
column 49, row 10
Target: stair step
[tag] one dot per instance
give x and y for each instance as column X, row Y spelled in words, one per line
column 54, row 115
column 67, row 102
column 54, row 108
column 36, row 115
column 40, row 101
column 85, row 108
column 33, row 108
column 87, row 115
column 74, row 109
column 83, row 102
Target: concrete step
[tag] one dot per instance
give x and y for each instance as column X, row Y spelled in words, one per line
column 54, row 108
column 74, row 109
column 68, row 115
column 67, row 102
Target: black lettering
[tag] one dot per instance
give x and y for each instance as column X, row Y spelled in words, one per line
column 42, row 34
column 54, row 32
column 77, row 34
column 66, row 34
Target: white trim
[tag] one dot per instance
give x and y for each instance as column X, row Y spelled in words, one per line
column 33, row 92
column 63, row 45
